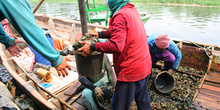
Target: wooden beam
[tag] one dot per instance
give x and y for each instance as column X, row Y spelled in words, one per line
column 83, row 17
column 211, row 88
column 210, row 93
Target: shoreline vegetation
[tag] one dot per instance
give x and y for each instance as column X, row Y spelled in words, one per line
column 207, row 3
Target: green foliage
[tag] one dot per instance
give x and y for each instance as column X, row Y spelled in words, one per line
column 54, row 1
column 198, row 2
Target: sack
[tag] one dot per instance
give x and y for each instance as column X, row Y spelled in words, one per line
column 26, row 60
column 58, row 43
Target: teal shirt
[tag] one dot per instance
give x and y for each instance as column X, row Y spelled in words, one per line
column 172, row 48
column 5, row 39
column 19, row 14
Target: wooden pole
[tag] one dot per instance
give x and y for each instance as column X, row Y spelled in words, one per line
column 200, row 86
column 208, row 69
column 210, row 62
column 83, row 17
column 38, row 6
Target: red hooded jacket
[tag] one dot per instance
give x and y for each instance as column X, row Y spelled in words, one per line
column 128, row 43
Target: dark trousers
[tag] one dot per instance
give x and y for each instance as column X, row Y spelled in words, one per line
column 165, row 56
column 125, row 92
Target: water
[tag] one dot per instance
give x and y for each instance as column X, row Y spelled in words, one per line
column 198, row 24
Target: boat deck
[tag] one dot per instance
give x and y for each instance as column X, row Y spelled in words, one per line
column 73, row 94
column 209, row 95
column 76, row 101
column 207, row 98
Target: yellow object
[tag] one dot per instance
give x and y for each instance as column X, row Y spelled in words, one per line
column 97, row 30
column 43, row 73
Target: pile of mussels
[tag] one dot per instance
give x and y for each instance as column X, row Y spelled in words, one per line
column 181, row 98
column 91, row 39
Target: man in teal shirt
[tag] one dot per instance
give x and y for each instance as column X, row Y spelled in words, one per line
column 19, row 14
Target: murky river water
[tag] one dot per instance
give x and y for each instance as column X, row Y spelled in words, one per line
column 199, row 24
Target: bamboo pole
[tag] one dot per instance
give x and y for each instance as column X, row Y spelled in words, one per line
column 38, row 6
column 42, row 88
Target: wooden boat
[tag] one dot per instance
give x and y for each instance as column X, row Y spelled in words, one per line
column 62, row 94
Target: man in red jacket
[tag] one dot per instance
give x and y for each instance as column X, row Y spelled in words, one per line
column 131, row 55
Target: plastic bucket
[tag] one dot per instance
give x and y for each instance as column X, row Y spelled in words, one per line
column 90, row 65
column 164, row 82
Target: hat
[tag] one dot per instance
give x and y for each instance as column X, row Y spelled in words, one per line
column 162, row 41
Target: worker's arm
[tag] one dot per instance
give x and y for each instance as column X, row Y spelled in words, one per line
column 5, row 39
column 118, row 36
column 176, row 52
column 104, row 34
column 19, row 14
column 84, row 81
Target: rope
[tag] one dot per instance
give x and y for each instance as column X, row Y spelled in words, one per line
column 204, row 48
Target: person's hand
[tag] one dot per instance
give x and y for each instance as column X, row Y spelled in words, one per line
column 98, row 93
column 62, row 67
column 14, row 50
column 86, row 51
column 171, row 71
column 93, row 34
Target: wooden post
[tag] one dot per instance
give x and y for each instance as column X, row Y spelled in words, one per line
column 83, row 17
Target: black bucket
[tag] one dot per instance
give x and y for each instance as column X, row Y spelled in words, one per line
column 164, row 82
column 90, row 65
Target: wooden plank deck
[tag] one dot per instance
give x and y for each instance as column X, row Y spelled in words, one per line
column 209, row 95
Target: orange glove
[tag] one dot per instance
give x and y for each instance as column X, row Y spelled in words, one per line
column 14, row 50
column 86, row 51
column 62, row 67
